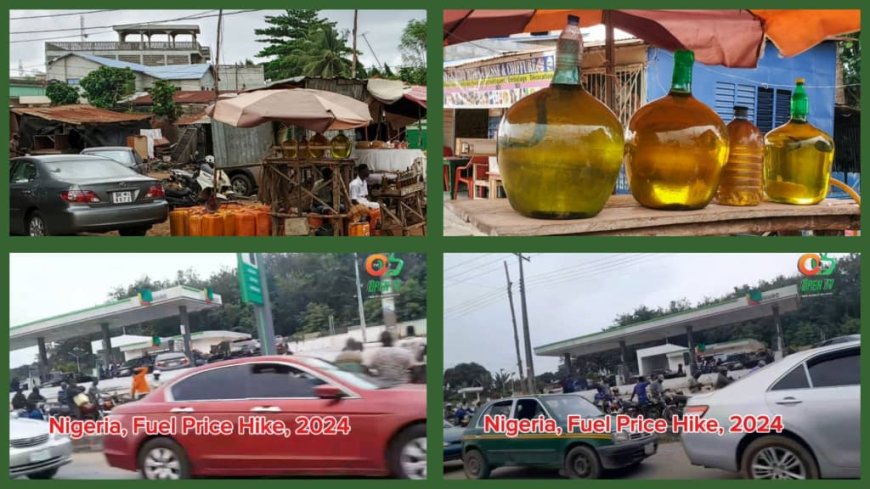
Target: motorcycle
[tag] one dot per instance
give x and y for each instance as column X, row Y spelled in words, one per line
column 185, row 189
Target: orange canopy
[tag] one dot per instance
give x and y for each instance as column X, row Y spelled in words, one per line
column 726, row 37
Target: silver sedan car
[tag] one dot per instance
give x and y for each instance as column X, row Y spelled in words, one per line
column 35, row 453
column 817, row 392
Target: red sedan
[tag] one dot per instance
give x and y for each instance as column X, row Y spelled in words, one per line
column 225, row 419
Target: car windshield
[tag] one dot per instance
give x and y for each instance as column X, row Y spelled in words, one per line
column 121, row 156
column 361, row 381
column 564, row 405
column 72, row 170
column 170, row 356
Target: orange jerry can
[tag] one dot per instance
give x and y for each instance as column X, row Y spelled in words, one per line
column 176, row 222
column 229, row 218
column 359, row 229
column 212, row 225
column 264, row 223
column 245, row 224
column 194, row 226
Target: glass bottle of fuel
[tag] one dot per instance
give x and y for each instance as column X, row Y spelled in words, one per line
column 676, row 146
column 797, row 156
column 740, row 184
column 560, row 149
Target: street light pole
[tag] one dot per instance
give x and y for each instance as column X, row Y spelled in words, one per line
column 530, row 368
column 514, row 319
column 359, row 300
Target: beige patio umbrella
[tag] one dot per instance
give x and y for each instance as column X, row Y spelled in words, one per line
column 315, row 110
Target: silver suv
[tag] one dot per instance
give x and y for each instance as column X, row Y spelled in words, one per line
column 818, row 394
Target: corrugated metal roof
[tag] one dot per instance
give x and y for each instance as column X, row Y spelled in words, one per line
column 183, row 97
column 80, row 114
column 171, row 72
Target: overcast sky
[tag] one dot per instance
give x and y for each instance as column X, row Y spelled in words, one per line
column 570, row 295
column 48, row 284
column 382, row 28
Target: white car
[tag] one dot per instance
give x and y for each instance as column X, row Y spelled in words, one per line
column 35, row 453
column 817, row 393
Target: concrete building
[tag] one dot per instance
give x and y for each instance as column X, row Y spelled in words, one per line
column 137, row 44
column 72, row 67
column 236, row 78
column 132, row 346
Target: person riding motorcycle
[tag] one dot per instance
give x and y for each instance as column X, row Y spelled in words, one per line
column 18, row 400
column 35, row 397
column 94, row 393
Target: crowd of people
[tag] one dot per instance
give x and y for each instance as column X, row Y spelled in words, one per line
column 393, row 362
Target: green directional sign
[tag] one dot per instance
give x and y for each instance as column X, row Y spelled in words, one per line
column 249, row 278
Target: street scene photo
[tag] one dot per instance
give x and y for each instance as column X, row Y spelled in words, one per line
column 248, row 122
column 606, row 122
column 176, row 366
column 652, row 366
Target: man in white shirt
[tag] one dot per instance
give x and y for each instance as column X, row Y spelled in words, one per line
column 359, row 189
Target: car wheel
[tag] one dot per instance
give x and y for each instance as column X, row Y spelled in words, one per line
column 242, row 184
column 778, row 457
column 36, row 225
column 141, row 231
column 582, row 463
column 475, row 465
column 162, row 458
column 45, row 474
column 407, row 454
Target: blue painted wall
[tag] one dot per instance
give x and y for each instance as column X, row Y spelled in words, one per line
column 817, row 66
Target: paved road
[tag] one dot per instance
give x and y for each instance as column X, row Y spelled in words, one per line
column 92, row 465
column 669, row 463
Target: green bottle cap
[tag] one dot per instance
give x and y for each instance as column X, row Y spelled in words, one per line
column 682, row 80
column 800, row 104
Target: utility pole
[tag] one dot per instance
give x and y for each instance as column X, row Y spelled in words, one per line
column 217, row 62
column 530, row 369
column 359, row 299
column 353, row 63
column 514, row 319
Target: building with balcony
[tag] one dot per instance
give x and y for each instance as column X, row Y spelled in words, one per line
column 145, row 44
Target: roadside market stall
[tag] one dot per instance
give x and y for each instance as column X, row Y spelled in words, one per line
column 539, row 198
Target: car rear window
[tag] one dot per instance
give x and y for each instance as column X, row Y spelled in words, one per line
column 841, row 368
column 88, row 169
column 214, row 384
column 796, row 379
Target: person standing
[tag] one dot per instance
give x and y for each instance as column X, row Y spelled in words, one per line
column 640, row 391
column 351, row 358
column 391, row 363
column 140, row 387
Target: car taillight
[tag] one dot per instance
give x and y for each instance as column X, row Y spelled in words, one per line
column 155, row 192
column 698, row 410
column 80, row 196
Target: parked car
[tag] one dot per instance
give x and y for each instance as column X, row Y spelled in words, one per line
column 579, row 455
column 127, row 368
column 68, row 194
column 452, row 442
column 387, row 434
column 122, row 154
column 817, row 392
column 35, row 453
column 245, row 180
column 171, row 361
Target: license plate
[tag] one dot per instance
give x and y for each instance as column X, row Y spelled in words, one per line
column 649, row 449
column 40, row 456
column 122, row 197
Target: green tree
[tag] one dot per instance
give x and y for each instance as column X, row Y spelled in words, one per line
column 105, row 86
column 316, row 317
column 850, row 61
column 61, row 93
column 414, row 76
column 468, row 375
column 163, row 103
column 501, row 383
column 324, row 53
column 285, row 34
column 413, row 48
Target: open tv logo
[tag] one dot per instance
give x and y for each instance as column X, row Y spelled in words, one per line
column 384, row 269
column 813, row 264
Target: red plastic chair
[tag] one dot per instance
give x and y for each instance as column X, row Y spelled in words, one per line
column 477, row 167
column 448, row 152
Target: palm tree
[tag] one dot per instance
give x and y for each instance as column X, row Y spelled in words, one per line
column 324, row 53
column 501, row 382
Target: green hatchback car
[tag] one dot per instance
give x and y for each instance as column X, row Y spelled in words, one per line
column 579, row 455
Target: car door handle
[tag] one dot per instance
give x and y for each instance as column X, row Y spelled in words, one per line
column 266, row 409
column 181, row 410
column 789, row 400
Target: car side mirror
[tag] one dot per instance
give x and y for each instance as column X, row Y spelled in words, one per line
column 327, row 391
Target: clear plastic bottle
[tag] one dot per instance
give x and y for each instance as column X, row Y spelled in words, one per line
column 560, row 149
column 797, row 157
column 740, row 184
column 676, row 146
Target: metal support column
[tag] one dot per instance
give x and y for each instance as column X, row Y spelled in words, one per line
column 107, row 345
column 43, row 358
column 693, row 359
column 185, row 331
column 780, row 340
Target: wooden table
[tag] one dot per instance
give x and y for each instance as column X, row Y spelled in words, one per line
column 623, row 216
